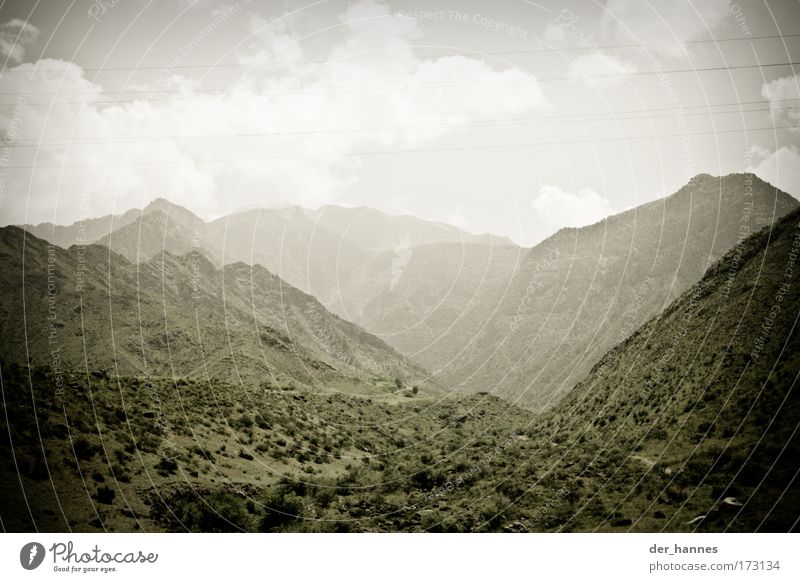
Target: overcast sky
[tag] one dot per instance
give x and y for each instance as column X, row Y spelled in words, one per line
column 511, row 117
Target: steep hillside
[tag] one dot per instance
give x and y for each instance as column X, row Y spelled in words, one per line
column 433, row 294
column 697, row 413
column 176, row 316
column 528, row 328
column 84, row 232
column 392, row 244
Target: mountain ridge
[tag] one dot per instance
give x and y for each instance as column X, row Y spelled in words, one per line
column 538, row 324
column 164, row 318
column 692, row 392
column 535, row 320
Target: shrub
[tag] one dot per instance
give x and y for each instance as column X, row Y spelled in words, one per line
column 439, row 522
column 105, row 494
column 120, row 474
column 149, row 443
column 121, row 456
column 282, row 507
column 324, row 496
column 33, row 467
column 219, row 512
column 204, row 453
column 84, row 450
column 494, row 510
column 166, row 466
column 244, row 421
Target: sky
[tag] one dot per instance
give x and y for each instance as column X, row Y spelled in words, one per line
column 516, row 117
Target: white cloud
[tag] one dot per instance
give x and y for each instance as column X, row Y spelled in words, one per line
column 270, row 42
column 780, row 168
column 305, row 115
column 778, row 92
column 559, row 208
column 600, row 70
column 15, row 37
column 674, row 21
column 68, row 168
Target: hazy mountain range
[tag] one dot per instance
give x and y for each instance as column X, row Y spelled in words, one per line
column 528, row 326
column 479, row 312
column 89, row 308
column 314, row 250
column 688, row 423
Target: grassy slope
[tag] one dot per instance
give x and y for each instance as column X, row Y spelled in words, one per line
column 687, row 412
column 340, row 462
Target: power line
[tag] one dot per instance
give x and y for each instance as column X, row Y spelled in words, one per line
column 481, row 123
column 404, row 151
column 413, row 57
column 639, row 110
column 369, row 87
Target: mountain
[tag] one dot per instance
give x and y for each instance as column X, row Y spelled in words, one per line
column 426, row 297
column 318, row 251
column 82, row 232
column 289, row 244
column 155, row 231
column 528, row 326
column 373, row 230
column 692, row 422
column 283, row 240
column 481, row 314
column 688, row 425
column 177, row 316
column 137, row 235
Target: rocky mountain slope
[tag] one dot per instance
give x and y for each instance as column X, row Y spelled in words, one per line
column 89, row 308
column 479, row 313
column 529, row 326
column 319, row 251
column 692, row 422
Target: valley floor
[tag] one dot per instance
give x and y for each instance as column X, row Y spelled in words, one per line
column 133, row 455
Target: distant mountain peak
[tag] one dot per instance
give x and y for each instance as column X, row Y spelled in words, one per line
column 703, row 177
column 163, row 205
